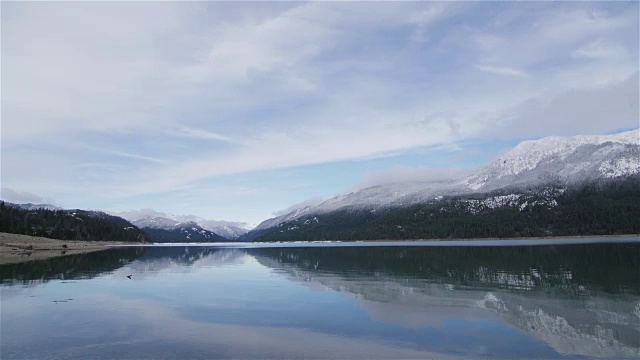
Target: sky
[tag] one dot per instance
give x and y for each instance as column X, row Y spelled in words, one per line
column 237, row 110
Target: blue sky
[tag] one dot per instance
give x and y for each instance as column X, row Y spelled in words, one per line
column 237, row 110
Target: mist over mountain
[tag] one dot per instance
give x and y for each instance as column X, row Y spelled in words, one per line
column 563, row 160
column 534, row 175
column 576, row 185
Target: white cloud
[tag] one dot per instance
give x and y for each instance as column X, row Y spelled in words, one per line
column 81, row 68
column 127, row 155
column 20, row 197
column 585, row 111
column 502, row 70
column 203, row 134
column 601, row 49
column 403, row 174
column 280, row 150
column 169, row 95
column 133, row 215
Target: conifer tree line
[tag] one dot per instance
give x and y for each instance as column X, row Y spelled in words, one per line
column 593, row 209
column 67, row 224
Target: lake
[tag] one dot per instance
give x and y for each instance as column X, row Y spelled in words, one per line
column 365, row 300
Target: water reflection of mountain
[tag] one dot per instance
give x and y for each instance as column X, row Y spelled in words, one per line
column 79, row 266
column 572, row 269
column 184, row 259
column 188, row 255
column 581, row 300
column 138, row 259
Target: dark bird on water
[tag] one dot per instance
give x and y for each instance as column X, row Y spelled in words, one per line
column 129, row 276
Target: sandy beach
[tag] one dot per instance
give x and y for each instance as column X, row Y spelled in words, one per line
column 16, row 248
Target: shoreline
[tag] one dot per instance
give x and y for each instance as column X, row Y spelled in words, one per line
column 17, row 248
column 560, row 239
column 511, row 238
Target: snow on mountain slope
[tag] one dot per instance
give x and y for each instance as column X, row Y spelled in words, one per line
column 192, row 231
column 283, row 218
column 552, row 160
column 564, row 159
column 227, row 229
column 402, row 194
column 189, row 232
column 155, row 223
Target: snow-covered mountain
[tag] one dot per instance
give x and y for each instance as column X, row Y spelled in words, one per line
column 227, row 229
column 558, row 161
column 193, row 231
column 565, row 160
column 155, row 223
column 269, row 223
column 188, row 231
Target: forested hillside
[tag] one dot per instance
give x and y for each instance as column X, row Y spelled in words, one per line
column 595, row 209
column 67, row 224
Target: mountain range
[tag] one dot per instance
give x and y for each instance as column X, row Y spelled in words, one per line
column 52, row 221
column 188, row 229
column 534, row 175
column 580, row 185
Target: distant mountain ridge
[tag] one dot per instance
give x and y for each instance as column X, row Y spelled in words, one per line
column 159, row 228
column 156, row 223
column 184, row 232
column 558, row 163
column 30, row 206
column 537, row 181
column 225, row 229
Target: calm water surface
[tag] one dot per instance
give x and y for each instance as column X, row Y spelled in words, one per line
column 546, row 301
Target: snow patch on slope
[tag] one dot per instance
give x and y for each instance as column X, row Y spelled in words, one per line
column 528, row 154
column 570, row 159
column 620, row 167
column 559, row 161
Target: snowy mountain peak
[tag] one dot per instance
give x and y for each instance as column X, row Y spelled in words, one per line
column 155, row 223
column 536, row 163
column 569, row 159
column 528, row 154
column 296, row 213
column 227, row 229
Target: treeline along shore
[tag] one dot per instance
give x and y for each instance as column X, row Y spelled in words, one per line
column 32, row 234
